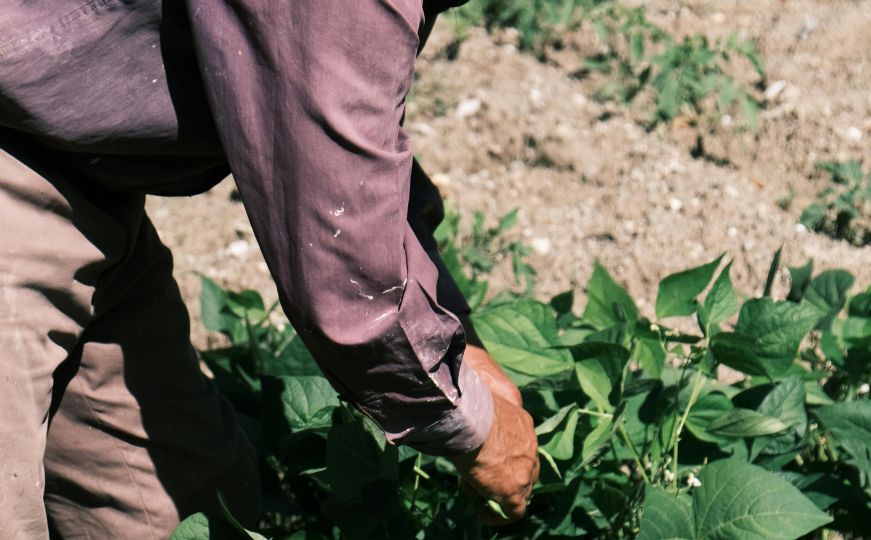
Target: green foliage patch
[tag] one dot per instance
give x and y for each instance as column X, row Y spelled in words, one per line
column 842, row 209
column 638, row 437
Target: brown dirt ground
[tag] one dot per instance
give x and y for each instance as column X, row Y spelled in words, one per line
column 498, row 129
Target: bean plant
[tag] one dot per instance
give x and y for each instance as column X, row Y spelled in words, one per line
column 640, row 434
column 842, row 209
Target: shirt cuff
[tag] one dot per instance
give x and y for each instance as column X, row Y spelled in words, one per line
column 463, row 430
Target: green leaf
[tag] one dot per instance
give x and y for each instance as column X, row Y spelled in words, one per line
column 772, row 272
column 355, row 460
column 786, row 402
column 678, row 292
column 721, row 302
column 306, row 402
column 519, row 343
column 850, row 424
column 599, row 437
column 599, row 368
column 735, row 501
column 767, row 337
column 746, row 423
column 194, row 527
column 562, row 444
column 813, row 217
column 800, row 277
column 666, row 516
column 607, row 302
column 828, row 292
column 708, row 408
column 741, row 501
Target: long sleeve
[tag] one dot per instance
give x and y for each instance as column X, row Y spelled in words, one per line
column 308, row 98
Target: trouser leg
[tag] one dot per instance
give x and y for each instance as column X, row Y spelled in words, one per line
column 49, row 268
column 141, row 438
column 97, row 375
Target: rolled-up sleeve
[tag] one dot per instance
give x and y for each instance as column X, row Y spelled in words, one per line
column 308, row 98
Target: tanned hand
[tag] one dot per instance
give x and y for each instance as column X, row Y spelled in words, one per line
column 505, row 468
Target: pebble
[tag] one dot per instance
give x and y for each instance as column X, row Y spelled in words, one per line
column 853, row 133
column 468, row 107
column 541, row 245
column 675, row 204
column 774, row 89
column 239, row 248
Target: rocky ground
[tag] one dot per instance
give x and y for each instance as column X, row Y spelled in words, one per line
column 498, row 129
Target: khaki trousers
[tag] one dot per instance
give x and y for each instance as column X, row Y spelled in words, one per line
column 108, row 429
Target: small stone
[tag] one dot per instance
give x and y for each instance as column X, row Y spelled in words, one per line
column 732, row 232
column 774, row 89
column 731, row 191
column 726, row 121
column 468, row 107
column 800, row 228
column 541, row 245
column 239, row 248
column 675, row 204
column 853, row 133
column 579, row 100
column 536, row 97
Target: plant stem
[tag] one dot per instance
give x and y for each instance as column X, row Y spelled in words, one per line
column 596, row 413
column 635, row 454
column 697, row 388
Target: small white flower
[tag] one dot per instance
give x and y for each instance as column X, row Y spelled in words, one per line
column 668, row 476
column 864, row 388
column 693, row 482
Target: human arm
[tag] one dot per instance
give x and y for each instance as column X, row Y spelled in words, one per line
column 307, row 98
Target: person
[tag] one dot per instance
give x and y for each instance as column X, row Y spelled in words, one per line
column 108, row 429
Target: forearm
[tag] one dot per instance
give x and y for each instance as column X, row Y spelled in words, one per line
column 308, row 98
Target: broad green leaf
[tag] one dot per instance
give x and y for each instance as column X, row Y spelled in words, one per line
column 812, row 217
column 292, row 360
column 678, row 292
column 194, row 527
column 745, row 423
column 721, row 302
column 304, row 400
column 562, row 443
column 599, row 437
column 741, row 501
column 549, row 425
column 828, row 292
column 607, row 302
column 708, row 408
column 786, row 402
column 212, row 301
column 854, row 332
column 355, row 460
column 199, row 526
column 860, row 305
column 650, row 354
column 666, row 516
column 773, row 330
column 815, row 395
column 850, row 424
column 599, row 368
column 800, row 276
column 516, row 342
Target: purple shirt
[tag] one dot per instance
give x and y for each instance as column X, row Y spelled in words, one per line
column 303, row 100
